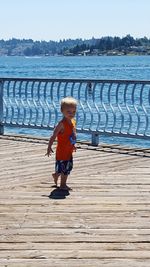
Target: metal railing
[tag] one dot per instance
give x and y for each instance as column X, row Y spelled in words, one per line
column 109, row 107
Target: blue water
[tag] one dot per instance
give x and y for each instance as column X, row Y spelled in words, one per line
column 90, row 67
column 96, row 67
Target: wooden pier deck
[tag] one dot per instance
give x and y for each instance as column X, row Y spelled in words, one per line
column 103, row 221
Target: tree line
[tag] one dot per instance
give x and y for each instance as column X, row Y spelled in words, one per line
column 28, row 47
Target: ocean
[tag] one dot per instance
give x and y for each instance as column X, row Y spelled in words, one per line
column 89, row 67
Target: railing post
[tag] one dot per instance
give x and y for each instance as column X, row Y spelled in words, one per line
column 1, row 108
column 95, row 139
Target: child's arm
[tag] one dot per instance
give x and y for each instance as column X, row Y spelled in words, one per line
column 74, row 137
column 58, row 129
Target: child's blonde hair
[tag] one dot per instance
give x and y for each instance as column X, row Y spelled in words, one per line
column 68, row 101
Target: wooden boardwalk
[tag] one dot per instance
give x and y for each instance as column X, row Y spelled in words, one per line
column 103, row 221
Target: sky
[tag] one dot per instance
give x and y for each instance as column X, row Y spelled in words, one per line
column 70, row 19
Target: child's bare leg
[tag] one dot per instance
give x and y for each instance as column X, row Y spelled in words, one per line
column 55, row 177
column 63, row 182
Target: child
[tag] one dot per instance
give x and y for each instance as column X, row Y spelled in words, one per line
column 65, row 132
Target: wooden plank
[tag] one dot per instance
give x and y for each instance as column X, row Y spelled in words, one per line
column 74, row 262
column 75, row 254
column 55, row 246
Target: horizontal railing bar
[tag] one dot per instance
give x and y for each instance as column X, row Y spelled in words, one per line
column 86, row 131
column 75, row 80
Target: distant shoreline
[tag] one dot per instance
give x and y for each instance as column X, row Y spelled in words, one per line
column 104, row 46
column 103, row 55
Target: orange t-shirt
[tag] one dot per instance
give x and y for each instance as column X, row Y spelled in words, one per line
column 65, row 148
